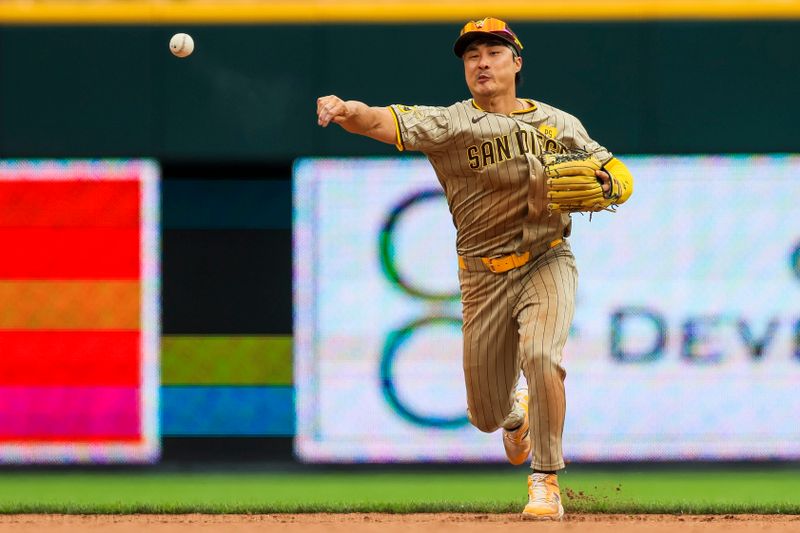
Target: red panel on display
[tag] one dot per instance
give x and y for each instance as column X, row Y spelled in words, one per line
column 75, row 358
column 69, row 253
column 87, row 204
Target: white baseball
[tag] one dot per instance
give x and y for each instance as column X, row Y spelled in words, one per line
column 181, row 44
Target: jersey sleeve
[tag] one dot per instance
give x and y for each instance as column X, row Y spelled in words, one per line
column 580, row 140
column 421, row 128
column 621, row 178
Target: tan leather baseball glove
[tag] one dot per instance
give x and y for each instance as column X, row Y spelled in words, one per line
column 572, row 184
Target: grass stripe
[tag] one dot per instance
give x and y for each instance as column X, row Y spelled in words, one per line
column 776, row 491
column 226, row 360
column 389, row 507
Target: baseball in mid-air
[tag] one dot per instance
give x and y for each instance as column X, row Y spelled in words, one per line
column 181, row 44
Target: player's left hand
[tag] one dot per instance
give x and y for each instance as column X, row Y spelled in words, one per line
column 605, row 180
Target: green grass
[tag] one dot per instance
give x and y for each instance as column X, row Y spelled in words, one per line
column 690, row 492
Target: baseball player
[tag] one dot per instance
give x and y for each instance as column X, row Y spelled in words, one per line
column 510, row 193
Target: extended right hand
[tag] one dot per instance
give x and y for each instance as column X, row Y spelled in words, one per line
column 331, row 109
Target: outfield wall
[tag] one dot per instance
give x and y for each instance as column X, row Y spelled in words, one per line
column 227, row 123
column 248, row 92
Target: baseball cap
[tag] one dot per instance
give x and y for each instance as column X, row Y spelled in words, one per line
column 486, row 28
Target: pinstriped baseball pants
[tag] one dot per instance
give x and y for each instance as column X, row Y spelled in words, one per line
column 520, row 318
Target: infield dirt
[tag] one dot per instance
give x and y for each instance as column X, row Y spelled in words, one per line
column 383, row 523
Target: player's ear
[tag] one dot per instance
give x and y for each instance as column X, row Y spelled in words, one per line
column 518, row 63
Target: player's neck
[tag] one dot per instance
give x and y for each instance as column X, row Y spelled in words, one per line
column 503, row 104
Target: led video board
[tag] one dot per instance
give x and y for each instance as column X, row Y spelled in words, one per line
column 685, row 342
column 79, row 314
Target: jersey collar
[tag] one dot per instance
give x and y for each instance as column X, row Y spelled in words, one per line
column 531, row 107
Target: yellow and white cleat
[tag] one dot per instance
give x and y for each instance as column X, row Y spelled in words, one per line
column 518, row 442
column 544, row 498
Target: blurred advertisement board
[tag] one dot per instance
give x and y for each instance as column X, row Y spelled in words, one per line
column 79, row 314
column 685, row 343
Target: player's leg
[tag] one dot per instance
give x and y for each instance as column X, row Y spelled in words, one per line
column 516, row 428
column 544, row 313
column 491, row 366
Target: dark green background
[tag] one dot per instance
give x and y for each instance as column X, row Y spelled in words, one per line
column 248, row 92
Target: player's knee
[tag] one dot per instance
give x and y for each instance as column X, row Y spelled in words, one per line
column 544, row 363
column 487, row 426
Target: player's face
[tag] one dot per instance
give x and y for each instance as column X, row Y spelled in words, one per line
column 490, row 69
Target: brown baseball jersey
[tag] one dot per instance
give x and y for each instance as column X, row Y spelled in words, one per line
column 488, row 165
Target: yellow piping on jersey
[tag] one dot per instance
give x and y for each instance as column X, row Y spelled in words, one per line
column 527, row 109
column 518, row 112
column 399, row 143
